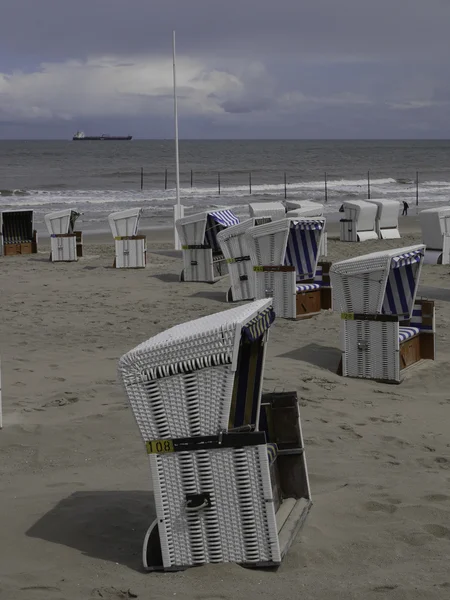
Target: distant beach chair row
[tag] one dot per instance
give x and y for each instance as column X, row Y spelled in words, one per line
column 369, row 220
column 228, row 462
column 67, row 244
column 18, row 236
column 363, row 220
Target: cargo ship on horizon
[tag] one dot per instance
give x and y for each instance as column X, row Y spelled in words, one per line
column 104, row 137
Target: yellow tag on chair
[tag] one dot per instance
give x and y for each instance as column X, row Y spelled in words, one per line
column 348, row 316
column 159, row 446
column 258, row 269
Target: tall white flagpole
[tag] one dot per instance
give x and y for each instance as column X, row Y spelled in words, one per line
column 178, row 208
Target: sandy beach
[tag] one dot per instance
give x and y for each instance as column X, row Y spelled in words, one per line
column 76, row 493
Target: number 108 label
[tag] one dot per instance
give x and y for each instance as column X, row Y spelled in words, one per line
column 159, row 446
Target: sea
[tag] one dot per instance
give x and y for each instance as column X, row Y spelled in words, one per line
column 100, row 177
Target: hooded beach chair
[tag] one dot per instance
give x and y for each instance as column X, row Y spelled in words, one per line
column 233, row 243
column 358, row 223
column 228, row 465
column 435, row 225
column 307, row 209
column 66, row 244
column 17, row 233
column 386, row 220
column 284, row 256
column 203, row 259
column 274, row 210
column 384, row 329
column 130, row 248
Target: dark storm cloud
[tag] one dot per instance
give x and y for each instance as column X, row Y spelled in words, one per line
column 326, row 68
column 64, row 28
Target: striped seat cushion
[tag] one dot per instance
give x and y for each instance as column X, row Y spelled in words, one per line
column 404, row 333
column 307, row 287
column 272, row 451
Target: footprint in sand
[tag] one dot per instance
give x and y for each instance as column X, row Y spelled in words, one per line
column 436, row 498
column 61, row 401
column 378, row 507
column 41, row 588
column 415, row 538
column 395, row 420
column 208, row 597
column 391, row 500
column 385, row 588
column 349, row 429
column 438, row 531
column 397, row 441
column 112, row 593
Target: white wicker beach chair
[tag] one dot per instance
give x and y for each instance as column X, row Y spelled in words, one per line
column 202, row 256
column 66, row 243
column 358, row 223
column 285, row 256
column 130, row 248
column 228, row 468
column 386, row 220
column 233, row 243
column 274, row 210
column 435, row 225
column 384, row 329
column 17, row 233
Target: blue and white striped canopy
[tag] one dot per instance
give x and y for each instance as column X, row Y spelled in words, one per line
column 408, row 258
column 310, row 224
column 225, row 217
column 303, row 246
column 402, row 284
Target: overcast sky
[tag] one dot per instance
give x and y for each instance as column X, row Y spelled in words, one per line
column 246, row 68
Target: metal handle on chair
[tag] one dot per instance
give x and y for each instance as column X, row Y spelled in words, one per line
column 197, row 502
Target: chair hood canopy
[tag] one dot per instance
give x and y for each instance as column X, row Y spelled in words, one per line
column 202, row 228
column 293, row 242
column 125, row 222
column 380, row 282
column 61, row 221
column 209, row 341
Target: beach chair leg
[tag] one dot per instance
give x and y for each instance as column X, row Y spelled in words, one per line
column 229, row 295
column 182, row 275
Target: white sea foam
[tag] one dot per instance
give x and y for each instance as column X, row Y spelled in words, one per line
column 95, row 204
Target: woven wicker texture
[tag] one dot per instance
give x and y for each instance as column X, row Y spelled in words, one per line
column 198, row 379
column 292, row 242
column 173, row 386
column 371, row 349
column 233, row 243
column 240, row 524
